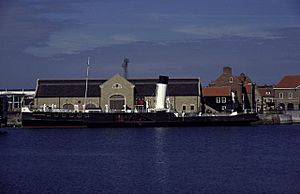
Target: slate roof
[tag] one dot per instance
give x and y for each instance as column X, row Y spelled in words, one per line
column 143, row 87
column 216, row 91
column 68, row 88
column 289, row 81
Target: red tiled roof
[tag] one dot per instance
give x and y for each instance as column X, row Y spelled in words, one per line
column 289, row 81
column 217, row 91
column 266, row 92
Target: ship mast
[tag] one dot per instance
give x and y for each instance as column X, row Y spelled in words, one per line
column 86, row 82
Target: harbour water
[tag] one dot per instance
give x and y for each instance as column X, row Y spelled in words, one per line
column 256, row 159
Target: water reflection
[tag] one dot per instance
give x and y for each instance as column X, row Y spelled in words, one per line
column 161, row 159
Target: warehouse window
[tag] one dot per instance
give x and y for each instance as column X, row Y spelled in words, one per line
column 192, row 107
column 117, row 86
column 91, row 106
column 183, row 107
column 68, row 106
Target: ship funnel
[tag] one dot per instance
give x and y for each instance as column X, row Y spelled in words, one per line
column 161, row 90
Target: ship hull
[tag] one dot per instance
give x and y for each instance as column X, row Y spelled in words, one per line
column 157, row 119
column 53, row 120
column 164, row 120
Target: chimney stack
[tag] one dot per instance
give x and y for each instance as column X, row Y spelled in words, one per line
column 227, row 70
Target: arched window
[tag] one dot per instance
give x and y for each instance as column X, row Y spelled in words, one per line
column 90, row 106
column 116, row 102
column 117, row 86
column 281, row 106
column 68, row 106
column 290, row 106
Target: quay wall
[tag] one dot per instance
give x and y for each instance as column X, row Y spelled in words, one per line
column 288, row 117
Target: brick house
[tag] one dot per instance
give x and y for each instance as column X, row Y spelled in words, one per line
column 241, row 85
column 287, row 93
column 265, row 98
column 218, row 98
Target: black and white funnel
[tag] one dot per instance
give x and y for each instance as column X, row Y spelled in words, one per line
column 161, row 90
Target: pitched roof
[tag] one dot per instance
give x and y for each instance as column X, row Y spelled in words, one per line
column 143, row 87
column 67, row 88
column 217, row 91
column 266, row 91
column 289, row 81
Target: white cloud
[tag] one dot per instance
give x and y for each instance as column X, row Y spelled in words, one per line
column 73, row 42
column 224, row 31
column 123, row 38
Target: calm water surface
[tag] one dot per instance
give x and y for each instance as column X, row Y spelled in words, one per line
column 261, row 159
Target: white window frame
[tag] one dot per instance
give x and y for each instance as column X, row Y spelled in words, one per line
column 290, row 95
column 218, row 100
column 280, row 95
column 116, row 86
column 223, row 99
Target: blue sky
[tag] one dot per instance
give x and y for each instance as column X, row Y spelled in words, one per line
column 45, row 39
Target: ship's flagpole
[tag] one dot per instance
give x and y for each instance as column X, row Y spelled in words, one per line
column 86, row 82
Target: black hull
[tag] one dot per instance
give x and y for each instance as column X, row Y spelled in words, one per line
column 158, row 119
column 53, row 120
column 99, row 120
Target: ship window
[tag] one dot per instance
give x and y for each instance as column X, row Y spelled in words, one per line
column 79, row 115
column 281, row 95
column 71, row 115
column 56, row 115
column 48, row 115
column 63, row 115
column 86, row 115
column 223, row 99
column 218, row 100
